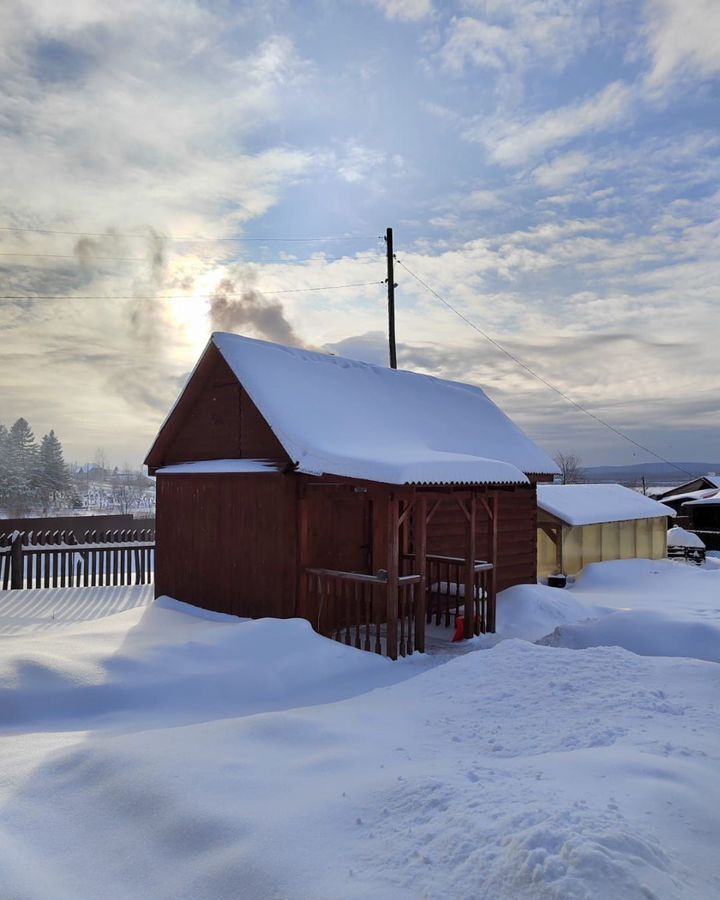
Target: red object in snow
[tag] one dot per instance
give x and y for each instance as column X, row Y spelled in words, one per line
column 460, row 629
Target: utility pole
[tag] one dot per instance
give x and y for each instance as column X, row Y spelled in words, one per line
column 391, row 297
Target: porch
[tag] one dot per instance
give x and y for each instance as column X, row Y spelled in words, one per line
column 397, row 585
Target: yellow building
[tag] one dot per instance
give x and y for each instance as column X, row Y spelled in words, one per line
column 580, row 524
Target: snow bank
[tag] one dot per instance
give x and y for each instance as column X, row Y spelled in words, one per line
column 519, row 773
column 644, row 632
column 171, row 754
column 183, row 661
column 529, row 611
column 654, row 608
column 39, row 609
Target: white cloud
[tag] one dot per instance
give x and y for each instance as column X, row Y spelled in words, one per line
column 483, row 44
column 515, row 34
column 561, row 170
column 480, row 200
column 405, row 10
column 358, row 162
column 131, row 138
column 683, row 37
column 514, row 142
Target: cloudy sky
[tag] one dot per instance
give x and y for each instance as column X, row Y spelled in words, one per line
column 550, row 168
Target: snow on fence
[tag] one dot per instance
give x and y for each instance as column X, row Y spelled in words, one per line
column 57, row 559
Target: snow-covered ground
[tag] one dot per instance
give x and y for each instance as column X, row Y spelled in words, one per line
column 151, row 751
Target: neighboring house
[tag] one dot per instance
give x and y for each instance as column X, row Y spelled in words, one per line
column 580, row 524
column 709, row 482
column 703, row 517
column 294, row 483
column 677, row 501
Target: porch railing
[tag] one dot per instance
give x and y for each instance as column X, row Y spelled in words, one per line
column 352, row 608
column 50, row 560
column 446, row 591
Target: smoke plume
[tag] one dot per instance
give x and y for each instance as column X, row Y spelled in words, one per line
column 235, row 304
column 92, row 252
column 146, row 314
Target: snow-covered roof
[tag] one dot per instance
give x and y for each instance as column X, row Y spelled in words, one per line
column 220, row 466
column 678, row 537
column 710, row 499
column 593, row 504
column 711, row 477
column 690, row 495
column 344, row 417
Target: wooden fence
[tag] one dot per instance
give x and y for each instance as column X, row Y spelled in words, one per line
column 445, row 580
column 353, row 610
column 353, row 607
column 58, row 559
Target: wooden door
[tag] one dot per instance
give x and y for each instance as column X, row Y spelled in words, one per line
column 339, row 531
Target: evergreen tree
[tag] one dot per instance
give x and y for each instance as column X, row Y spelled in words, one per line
column 23, row 467
column 53, row 478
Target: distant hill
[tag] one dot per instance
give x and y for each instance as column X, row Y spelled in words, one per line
column 655, row 473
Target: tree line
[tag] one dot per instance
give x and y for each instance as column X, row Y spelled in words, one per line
column 31, row 474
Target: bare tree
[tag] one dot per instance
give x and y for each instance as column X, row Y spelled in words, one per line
column 571, row 470
column 101, row 462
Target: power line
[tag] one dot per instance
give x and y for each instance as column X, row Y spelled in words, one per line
column 74, row 256
column 327, row 287
column 191, row 240
column 539, row 377
column 249, row 262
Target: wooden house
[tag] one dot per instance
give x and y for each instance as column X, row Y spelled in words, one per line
column 580, row 524
column 366, row 500
column 702, row 515
column 709, row 482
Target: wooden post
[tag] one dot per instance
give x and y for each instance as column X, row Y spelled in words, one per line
column 559, row 534
column 393, row 554
column 469, row 585
column 301, row 589
column 16, row 561
column 420, row 548
column 391, row 297
column 493, row 574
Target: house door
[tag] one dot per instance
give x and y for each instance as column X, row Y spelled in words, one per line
column 340, row 531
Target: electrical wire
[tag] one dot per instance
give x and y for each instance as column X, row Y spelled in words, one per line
column 191, row 240
column 248, row 262
column 327, row 287
column 539, row 377
column 74, row 256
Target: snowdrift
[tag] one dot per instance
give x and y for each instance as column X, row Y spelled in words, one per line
column 187, row 663
column 171, row 754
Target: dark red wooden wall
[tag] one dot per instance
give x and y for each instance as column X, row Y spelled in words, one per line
column 517, row 535
column 228, row 542
column 216, row 420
